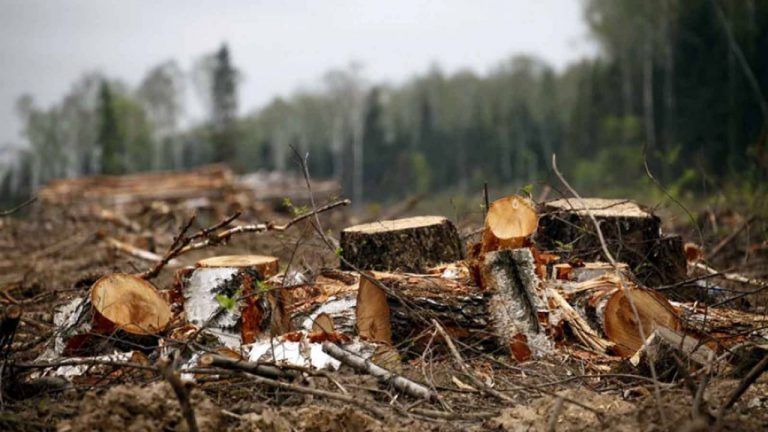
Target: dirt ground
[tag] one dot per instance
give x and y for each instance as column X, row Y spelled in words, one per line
column 49, row 255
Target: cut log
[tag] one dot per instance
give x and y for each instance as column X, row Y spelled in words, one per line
column 414, row 300
column 608, row 307
column 227, row 296
column 128, row 303
column 665, row 349
column 411, row 245
column 372, row 313
column 510, row 220
column 632, row 235
column 515, row 302
column 121, row 311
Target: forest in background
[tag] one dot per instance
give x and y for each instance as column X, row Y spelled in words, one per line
column 679, row 83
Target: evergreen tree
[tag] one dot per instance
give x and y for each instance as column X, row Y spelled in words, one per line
column 112, row 151
column 224, row 107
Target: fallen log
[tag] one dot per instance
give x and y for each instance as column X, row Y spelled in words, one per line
column 510, row 220
column 227, row 296
column 412, row 244
column 414, row 300
column 726, row 327
column 613, row 306
column 128, row 303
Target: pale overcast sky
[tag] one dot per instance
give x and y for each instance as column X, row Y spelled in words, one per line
column 45, row 45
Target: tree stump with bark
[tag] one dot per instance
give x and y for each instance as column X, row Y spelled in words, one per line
column 121, row 311
column 409, row 245
column 229, row 297
column 632, row 234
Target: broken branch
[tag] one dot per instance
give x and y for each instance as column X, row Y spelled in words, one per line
column 364, row 365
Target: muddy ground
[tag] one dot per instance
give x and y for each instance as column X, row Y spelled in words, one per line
column 48, row 255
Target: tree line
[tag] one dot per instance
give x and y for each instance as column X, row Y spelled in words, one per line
column 679, row 84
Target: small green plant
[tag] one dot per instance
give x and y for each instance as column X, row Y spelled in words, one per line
column 527, row 190
column 226, row 302
column 339, row 251
column 563, row 246
column 294, row 209
column 262, row 286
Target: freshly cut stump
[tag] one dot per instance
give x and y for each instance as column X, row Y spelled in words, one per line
column 128, row 303
column 510, row 220
column 211, row 292
column 632, row 234
column 409, row 245
column 121, row 311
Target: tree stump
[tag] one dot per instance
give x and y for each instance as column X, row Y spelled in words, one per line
column 632, row 234
column 228, row 296
column 121, row 311
column 510, row 220
column 409, row 245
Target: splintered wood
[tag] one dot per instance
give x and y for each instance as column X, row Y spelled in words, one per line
column 409, row 245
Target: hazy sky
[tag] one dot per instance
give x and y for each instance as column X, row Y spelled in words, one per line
column 279, row 45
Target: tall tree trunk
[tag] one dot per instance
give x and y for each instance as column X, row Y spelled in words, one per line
column 626, row 92
column 648, row 108
column 669, row 132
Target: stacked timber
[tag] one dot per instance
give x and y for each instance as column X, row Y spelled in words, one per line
column 212, row 181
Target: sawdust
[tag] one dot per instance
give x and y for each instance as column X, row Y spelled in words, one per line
column 133, row 408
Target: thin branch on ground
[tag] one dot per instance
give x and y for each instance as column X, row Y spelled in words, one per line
column 13, row 210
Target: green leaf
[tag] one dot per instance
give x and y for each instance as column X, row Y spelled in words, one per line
column 226, row 302
column 339, row 251
column 262, row 286
column 527, row 189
